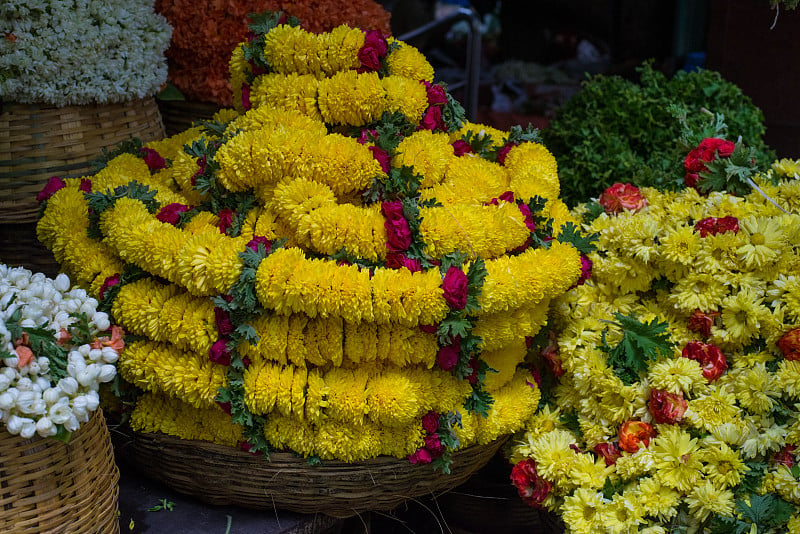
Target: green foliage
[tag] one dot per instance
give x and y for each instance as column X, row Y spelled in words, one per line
column 99, row 202
column 571, row 234
column 570, row 421
column 615, row 130
column 447, row 435
column 41, row 342
column 640, row 343
column 128, row 146
column 766, row 512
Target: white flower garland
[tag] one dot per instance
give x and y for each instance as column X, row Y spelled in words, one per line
column 32, row 401
column 81, row 51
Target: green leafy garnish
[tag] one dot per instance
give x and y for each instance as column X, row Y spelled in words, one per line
column 640, row 343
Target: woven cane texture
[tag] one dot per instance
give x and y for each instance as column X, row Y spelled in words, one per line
column 49, row 486
column 216, row 474
column 180, row 115
column 39, row 141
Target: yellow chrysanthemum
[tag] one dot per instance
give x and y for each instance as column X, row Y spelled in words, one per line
column 676, row 375
column 676, row 460
column 707, row 499
column 533, row 170
column 722, row 465
column 583, row 511
column 765, row 241
column 711, row 410
column 350, row 98
column 409, row 62
column 656, row 499
column 406, row 96
column 553, row 455
column 427, row 153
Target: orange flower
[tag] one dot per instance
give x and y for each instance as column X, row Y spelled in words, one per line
column 789, row 344
column 635, row 434
column 115, row 342
column 25, row 355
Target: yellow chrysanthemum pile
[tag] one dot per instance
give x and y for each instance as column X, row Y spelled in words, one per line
column 677, row 404
column 255, row 260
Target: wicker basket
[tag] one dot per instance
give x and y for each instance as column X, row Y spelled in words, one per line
column 180, row 115
column 19, row 247
column 47, row 486
column 39, row 141
column 216, row 474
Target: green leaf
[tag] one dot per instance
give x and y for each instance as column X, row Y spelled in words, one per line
column 766, row 510
column 452, row 326
column 170, row 93
column 611, row 488
column 571, row 234
column 640, row 343
column 479, row 402
column 129, row 146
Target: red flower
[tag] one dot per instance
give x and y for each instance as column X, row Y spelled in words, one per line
column 367, row 136
column 201, row 162
column 225, row 407
column 622, row 196
column 526, row 212
column 785, row 456
column 708, row 150
column 436, row 94
column 434, row 445
column 246, row 97
column 153, row 159
column 432, row 119
column 503, row 153
column 396, row 260
column 586, row 270
column 223, row 321
column 508, row 196
column 218, row 353
column 789, row 343
column 609, row 451
column 667, row 407
column 375, row 48
column 691, row 179
column 447, row 357
column 430, row 422
column 717, row 225
column 702, row 322
column 422, row 456
column 392, row 210
column 531, row 487
column 108, row 283
column 474, row 366
column 550, row 354
column 382, row 157
column 398, row 234
column 225, row 219
column 455, row 286
column 429, row 328
column 53, row 184
column 711, row 358
column 259, row 240
column 171, row 213
column 86, row 185
column 461, row 147
column 635, row 434
column 728, row 224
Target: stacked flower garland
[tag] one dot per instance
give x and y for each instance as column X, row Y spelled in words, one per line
column 676, row 407
column 346, row 270
column 53, row 354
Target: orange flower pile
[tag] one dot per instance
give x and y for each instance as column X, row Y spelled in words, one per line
column 206, row 32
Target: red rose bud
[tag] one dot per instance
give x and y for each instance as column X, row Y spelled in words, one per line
column 702, row 322
column 691, row 179
column 153, row 159
column 503, row 153
column 218, row 353
column 434, row 446
column 392, row 210
column 246, row 97
column 526, row 212
column 461, row 147
column 635, row 434
column 455, row 286
column 422, row 456
column 396, row 260
column 785, row 456
column 432, row 120
column 223, row 321
column 225, row 219
column 447, row 357
column 475, row 366
column 375, row 47
column 508, row 196
column 708, row 150
column 436, row 95
column 398, row 234
column 429, row 328
column 171, row 213
column 789, row 343
column 382, row 157
column 609, row 451
column 259, row 240
column 622, row 196
column 53, row 184
column 714, row 225
column 532, row 488
column 86, row 185
column 430, row 422
column 108, row 283
column 710, row 357
column 667, row 407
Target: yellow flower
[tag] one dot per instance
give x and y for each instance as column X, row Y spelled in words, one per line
column 350, row 98
column 533, row 171
column 707, row 499
column 553, row 455
column 765, row 242
column 722, row 465
column 713, row 409
column 427, row 153
column 787, row 378
column 408, row 62
column 676, row 375
column 755, row 389
column 680, row 245
column 630, row 466
column 584, row 511
column 698, row 290
column 656, row 499
column 623, row 514
column 676, row 460
column 406, row 96
column 295, row 92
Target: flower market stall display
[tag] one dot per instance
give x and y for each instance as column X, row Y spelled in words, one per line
column 346, row 271
column 205, row 34
column 677, row 402
column 58, row 471
column 65, row 98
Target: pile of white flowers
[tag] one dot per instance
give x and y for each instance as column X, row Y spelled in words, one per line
column 81, row 51
column 57, row 389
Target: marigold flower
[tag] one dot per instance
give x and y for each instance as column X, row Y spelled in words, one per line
column 635, row 434
column 620, row 197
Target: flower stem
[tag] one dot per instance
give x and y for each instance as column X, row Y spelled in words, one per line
column 763, row 194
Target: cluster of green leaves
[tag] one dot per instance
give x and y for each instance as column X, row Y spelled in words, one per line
column 764, row 512
column 640, row 344
column 447, row 436
column 261, row 24
column 453, row 114
column 99, row 202
column 482, row 144
column 616, row 130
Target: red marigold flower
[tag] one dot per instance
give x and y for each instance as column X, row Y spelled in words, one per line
column 108, row 283
column 635, row 434
column 447, row 357
column 461, row 147
column 503, row 153
column 702, row 322
column 259, row 240
column 430, row 422
column 789, row 343
column 667, row 407
column 609, row 451
column 708, row 150
column 622, row 196
column 226, row 216
column 153, row 159
column 222, row 319
column 532, row 488
column 710, row 357
column 171, row 213
column 432, row 120
column 218, row 353
column 382, row 157
column 436, row 94
column 85, row 185
column 455, row 286
column 53, row 184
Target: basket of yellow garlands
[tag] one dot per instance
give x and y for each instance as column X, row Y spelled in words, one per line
column 333, row 281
